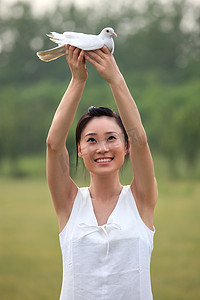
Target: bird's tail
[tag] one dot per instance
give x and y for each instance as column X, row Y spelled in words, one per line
column 56, row 38
column 51, row 54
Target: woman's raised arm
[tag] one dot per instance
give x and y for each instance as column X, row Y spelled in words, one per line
column 63, row 189
column 144, row 185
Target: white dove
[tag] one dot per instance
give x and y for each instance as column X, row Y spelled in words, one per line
column 79, row 40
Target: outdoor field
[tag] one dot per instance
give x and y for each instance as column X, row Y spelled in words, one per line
column 157, row 52
column 30, row 259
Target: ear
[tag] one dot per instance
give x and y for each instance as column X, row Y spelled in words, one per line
column 79, row 151
column 127, row 148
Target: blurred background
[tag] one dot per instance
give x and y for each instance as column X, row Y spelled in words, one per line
column 157, row 50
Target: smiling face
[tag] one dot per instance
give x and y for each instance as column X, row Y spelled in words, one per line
column 102, row 145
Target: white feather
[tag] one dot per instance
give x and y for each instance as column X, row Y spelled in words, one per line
column 79, row 40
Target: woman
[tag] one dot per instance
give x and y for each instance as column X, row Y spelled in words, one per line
column 106, row 230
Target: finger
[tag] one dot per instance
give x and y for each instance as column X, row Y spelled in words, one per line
column 105, row 50
column 67, row 49
column 71, row 50
column 91, row 61
column 100, row 53
column 95, row 55
column 76, row 53
column 81, row 57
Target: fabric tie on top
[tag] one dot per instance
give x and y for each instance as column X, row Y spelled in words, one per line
column 94, row 228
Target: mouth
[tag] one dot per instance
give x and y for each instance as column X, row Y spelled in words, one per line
column 104, row 160
column 114, row 34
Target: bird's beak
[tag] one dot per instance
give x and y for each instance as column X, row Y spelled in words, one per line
column 114, row 34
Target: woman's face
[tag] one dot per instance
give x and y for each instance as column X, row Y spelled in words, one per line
column 102, row 146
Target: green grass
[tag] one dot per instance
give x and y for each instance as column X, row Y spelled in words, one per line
column 175, row 260
column 30, row 259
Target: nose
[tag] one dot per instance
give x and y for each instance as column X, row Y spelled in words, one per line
column 102, row 147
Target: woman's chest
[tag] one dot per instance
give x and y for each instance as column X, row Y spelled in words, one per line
column 103, row 210
column 117, row 248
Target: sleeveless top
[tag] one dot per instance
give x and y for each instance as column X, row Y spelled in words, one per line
column 106, row 262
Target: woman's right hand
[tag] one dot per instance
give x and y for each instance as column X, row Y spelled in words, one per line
column 76, row 61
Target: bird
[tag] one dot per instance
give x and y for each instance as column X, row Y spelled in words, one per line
column 80, row 40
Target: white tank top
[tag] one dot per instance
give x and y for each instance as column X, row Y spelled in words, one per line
column 106, row 262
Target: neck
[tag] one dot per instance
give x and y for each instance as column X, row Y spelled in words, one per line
column 104, row 187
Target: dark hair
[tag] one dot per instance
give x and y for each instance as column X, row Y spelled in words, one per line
column 97, row 112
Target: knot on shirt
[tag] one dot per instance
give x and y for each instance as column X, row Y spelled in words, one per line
column 106, row 228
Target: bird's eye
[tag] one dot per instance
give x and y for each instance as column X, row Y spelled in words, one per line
column 107, row 30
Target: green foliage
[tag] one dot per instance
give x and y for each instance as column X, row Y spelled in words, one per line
column 155, row 51
column 24, row 119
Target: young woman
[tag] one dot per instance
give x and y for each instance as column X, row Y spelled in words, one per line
column 106, row 229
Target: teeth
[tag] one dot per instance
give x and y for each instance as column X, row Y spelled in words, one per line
column 103, row 160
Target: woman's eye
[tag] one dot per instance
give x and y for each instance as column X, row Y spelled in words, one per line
column 111, row 138
column 92, row 140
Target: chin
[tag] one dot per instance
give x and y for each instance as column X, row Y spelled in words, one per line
column 104, row 170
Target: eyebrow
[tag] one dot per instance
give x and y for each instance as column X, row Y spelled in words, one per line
column 108, row 132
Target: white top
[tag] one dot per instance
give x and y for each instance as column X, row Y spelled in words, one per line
column 106, row 262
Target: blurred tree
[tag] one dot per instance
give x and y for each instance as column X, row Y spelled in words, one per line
column 152, row 38
column 156, row 50
column 156, row 39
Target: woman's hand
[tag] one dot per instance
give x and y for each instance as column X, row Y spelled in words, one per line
column 76, row 61
column 105, row 64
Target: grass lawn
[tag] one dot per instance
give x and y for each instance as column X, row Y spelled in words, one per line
column 30, row 259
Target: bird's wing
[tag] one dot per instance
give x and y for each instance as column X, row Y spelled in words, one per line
column 79, row 40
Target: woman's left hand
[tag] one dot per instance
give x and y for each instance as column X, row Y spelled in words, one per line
column 105, row 64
